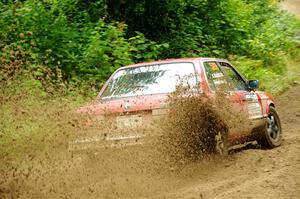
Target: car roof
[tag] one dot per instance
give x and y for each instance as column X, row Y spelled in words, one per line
column 173, row 61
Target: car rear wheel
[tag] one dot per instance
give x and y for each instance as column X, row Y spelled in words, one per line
column 271, row 136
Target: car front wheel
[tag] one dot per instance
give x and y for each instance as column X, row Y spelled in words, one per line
column 271, row 136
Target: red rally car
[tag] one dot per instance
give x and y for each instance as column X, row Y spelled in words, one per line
column 134, row 95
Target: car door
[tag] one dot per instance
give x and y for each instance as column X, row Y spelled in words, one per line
column 221, row 76
column 249, row 99
column 219, row 82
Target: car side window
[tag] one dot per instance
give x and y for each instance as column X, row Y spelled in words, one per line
column 235, row 80
column 215, row 77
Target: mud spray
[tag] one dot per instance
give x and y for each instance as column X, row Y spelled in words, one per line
column 194, row 122
column 39, row 164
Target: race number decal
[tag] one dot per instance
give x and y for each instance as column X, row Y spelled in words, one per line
column 254, row 108
column 214, row 66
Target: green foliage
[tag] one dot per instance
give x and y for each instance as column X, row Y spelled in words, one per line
column 87, row 40
column 213, row 28
column 275, row 77
column 44, row 32
column 108, row 49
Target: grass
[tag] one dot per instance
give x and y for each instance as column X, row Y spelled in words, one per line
column 32, row 123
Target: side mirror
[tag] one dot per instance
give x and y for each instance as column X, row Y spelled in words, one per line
column 252, row 84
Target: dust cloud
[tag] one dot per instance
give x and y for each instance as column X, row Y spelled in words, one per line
column 42, row 166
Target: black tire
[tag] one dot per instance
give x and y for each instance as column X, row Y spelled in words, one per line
column 271, row 135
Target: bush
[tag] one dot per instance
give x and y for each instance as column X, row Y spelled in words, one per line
column 86, row 41
column 108, row 50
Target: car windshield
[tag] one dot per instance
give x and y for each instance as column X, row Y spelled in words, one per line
column 150, row 79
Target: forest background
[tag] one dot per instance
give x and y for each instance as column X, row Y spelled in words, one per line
column 56, row 54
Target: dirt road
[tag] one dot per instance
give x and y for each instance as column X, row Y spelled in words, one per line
column 248, row 173
column 293, row 6
column 256, row 173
